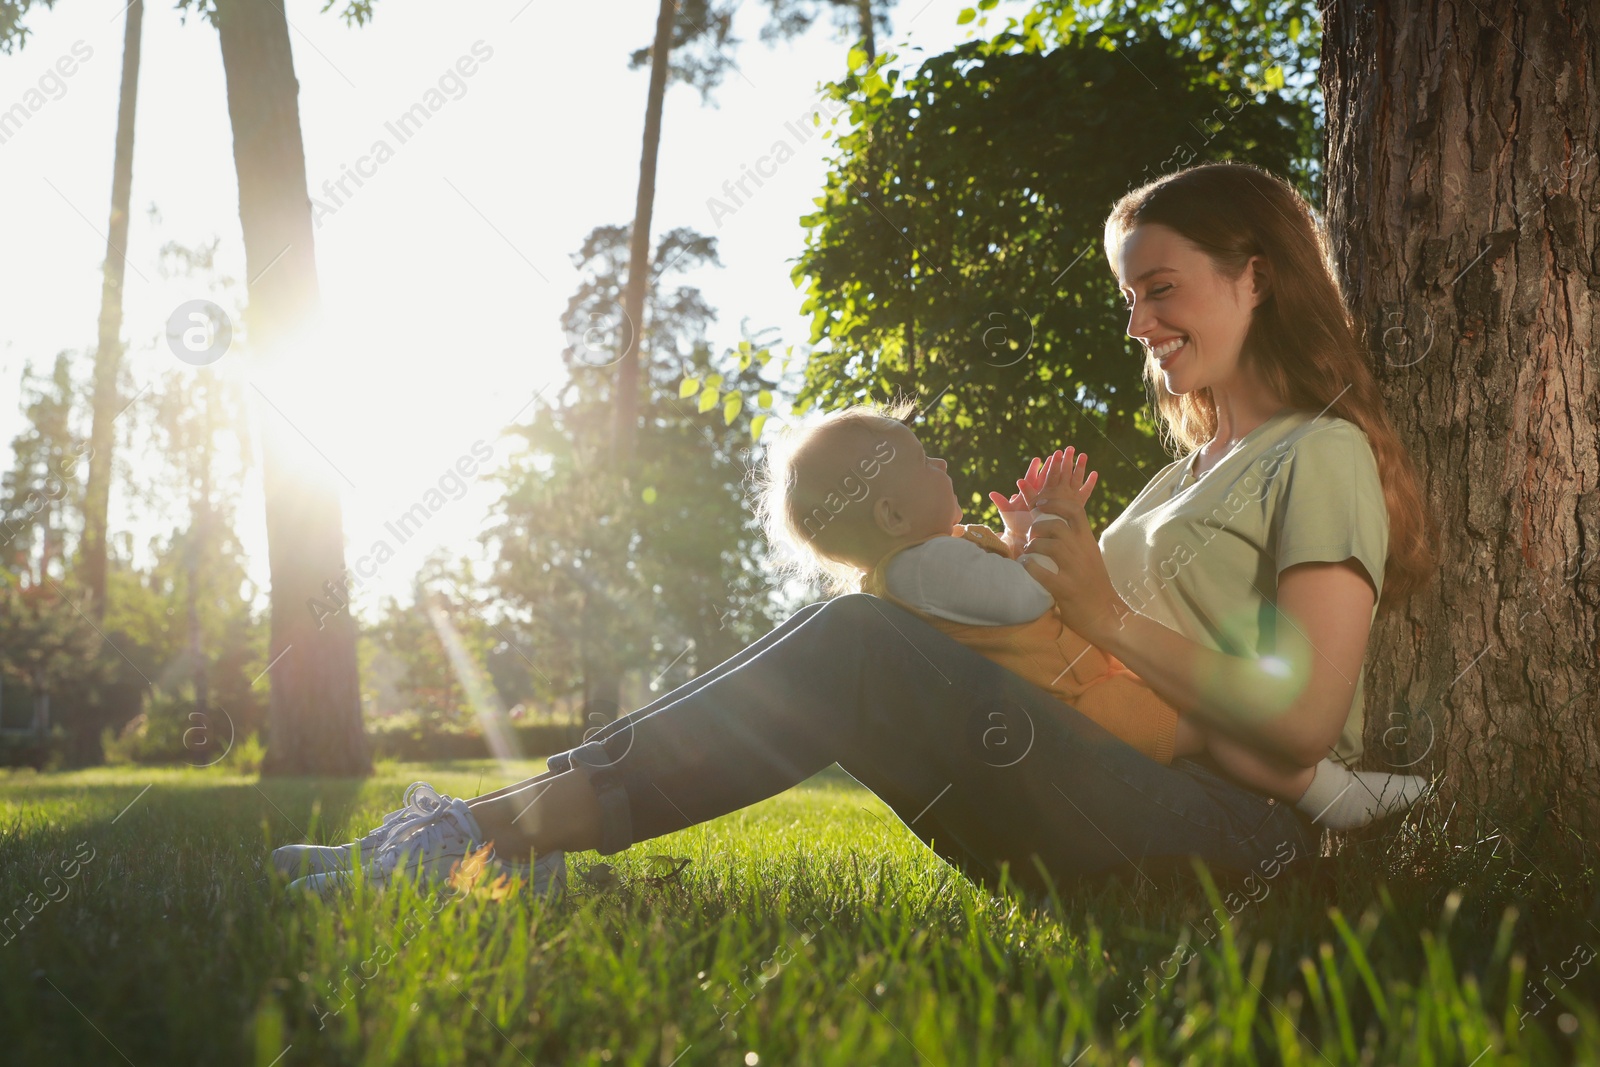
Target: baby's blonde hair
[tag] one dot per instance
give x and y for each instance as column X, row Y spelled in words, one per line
column 807, row 472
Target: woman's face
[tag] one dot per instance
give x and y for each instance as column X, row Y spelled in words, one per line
column 1191, row 318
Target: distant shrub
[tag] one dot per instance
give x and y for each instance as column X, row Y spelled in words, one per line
column 409, row 737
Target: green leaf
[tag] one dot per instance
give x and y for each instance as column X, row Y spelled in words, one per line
column 713, row 381
column 764, row 398
column 649, row 494
column 689, row 387
column 756, row 425
column 708, row 400
column 731, row 407
column 857, row 58
column 966, row 16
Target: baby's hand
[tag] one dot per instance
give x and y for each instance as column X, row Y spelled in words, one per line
column 1064, row 470
column 1015, row 511
column 1030, row 483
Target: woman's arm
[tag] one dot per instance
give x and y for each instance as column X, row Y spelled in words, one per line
column 1292, row 704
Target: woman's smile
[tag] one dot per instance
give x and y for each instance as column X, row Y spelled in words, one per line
column 1168, row 351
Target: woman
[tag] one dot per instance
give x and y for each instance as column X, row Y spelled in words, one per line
column 1295, row 494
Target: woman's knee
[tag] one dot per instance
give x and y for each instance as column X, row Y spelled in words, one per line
column 853, row 608
column 802, row 614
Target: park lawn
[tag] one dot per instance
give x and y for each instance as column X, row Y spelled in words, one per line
column 810, row 929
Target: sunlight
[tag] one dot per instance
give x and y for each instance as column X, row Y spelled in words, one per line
column 481, row 695
column 293, row 393
column 361, row 406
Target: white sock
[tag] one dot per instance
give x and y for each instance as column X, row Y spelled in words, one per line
column 1342, row 799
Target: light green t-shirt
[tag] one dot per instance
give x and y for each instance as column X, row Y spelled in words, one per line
column 1203, row 556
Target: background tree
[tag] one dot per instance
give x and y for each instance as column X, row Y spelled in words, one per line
column 427, row 684
column 200, row 563
column 678, row 25
column 1463, row 187
column 860, row 20
column 41, row 497
column 315, row 699
column 51, row 662
column 13, row 34
column 108, row 354
column 602, row 575
column 187, row 616
column 45, row 645
column 961, row 263
column 315, row 710
column 49, row 647
column 1269, row 46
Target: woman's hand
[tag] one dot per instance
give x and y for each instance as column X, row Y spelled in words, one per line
column 1060, row 534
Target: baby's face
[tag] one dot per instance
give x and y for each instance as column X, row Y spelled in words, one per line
column 919, row 484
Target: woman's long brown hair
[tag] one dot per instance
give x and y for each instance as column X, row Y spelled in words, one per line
column 1301, row 342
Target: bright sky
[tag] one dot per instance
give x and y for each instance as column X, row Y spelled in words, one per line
column 446, row 271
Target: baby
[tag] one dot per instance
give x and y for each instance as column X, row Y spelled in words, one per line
column 859, row 495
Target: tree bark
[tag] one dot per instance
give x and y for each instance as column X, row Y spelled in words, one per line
column 199, row 542
column 869, row 39
column 1462, row 196
column 638, row 285
column 108, row 353
column 314, row 712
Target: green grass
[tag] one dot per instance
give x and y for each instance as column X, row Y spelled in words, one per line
column 172, row 946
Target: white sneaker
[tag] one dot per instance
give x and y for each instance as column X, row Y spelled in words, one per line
column 294, row 860
column 427, row 847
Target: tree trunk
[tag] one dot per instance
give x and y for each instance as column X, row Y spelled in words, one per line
column 627, row 398
column 869, row 40
column 200, row 533
column 108, row 354
column 314, row 713
column 1462, row 197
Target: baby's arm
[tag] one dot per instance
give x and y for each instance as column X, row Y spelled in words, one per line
column 1017, row 524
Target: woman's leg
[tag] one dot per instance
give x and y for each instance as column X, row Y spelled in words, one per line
column 980, row 764
column 559, row 761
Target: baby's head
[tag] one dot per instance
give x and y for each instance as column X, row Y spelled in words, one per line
column 851, row 487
